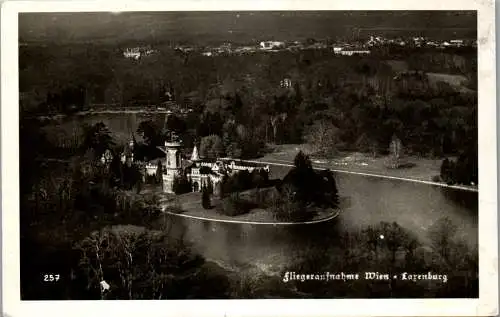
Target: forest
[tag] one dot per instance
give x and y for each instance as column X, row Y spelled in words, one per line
column 426, row 97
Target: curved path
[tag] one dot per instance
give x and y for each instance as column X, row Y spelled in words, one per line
column 332, row 216
column 289, row 164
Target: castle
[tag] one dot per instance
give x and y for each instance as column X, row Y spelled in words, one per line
column 199, row 172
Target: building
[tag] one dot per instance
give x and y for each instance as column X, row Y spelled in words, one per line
column 173, row 165
column 271, row 45
column 286, row 83
column 457, row 43
column 137, row 52
column 199, row 172
column 133, row 53
column 350, row 52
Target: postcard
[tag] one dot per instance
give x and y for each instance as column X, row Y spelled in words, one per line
column 192, row 158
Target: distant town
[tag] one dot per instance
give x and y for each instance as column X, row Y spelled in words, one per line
column 341, row 48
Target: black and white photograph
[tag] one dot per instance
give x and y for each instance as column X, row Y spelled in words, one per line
column 250, row 154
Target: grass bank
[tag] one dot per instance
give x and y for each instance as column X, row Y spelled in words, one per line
column 189, row 206
column 420, row 169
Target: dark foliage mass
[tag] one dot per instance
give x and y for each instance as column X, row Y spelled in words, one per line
column 462, row 171
column 244, row 180
column 181, row 185
column 205, row 198
column 426, row 97
column 310, row 186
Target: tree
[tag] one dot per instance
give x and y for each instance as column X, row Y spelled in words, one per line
column 311, row 187
column 159, row 172
column 396, row 151
column 323, row 136
column 328, row 195
column 302, row 162
column 138, row 264
column 210, row 123
column 211, row 147
column 116, row 171
column 181, row 185
column 98, row 138
column 149, row 132
column 175, row 124
column 276, row 120
column 287, row 206
column 447, row 171
column 205, row 198
column 394, row 237
column 442, row 233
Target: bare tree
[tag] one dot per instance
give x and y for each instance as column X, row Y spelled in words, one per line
column 442, row 233
column 276, row 120
column 323, row 136
column 396, row 151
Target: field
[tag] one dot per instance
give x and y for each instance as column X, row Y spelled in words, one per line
column 458, row 82
column 423, row 169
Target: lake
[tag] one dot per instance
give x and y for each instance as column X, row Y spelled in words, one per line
column 364, row 201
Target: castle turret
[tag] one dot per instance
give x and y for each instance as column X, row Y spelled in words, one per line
column 173, row 167
column 195, row 156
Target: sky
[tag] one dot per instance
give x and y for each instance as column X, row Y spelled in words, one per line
column 199, row 27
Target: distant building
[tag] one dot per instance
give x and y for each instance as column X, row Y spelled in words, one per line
column 271, row 45
column 133, row 53
column 337, row 49
column 137, row 52
column 457, row 43
column 106, row 158
column 350, row 52
column 286, row 83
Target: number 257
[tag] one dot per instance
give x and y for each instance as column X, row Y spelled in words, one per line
column 51, row 277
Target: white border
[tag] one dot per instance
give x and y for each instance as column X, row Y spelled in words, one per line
column 486, row 305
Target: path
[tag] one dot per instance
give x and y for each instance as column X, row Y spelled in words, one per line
column 318, row 166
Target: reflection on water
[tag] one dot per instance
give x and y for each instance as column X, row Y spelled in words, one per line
column 121, row 125
column 364, row 201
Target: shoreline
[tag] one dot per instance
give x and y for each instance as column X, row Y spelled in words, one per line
column 368, row 174
column 221, row 220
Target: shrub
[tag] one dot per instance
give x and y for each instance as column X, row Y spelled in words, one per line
column 243, row 180
column 151, row 179
column 181, row 185
column 234, row 206
column 263, row 197
column 308, row 185
column 205, row 199
column 211, row 147
column 286, row 207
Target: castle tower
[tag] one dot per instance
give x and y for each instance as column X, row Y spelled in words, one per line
column 173, row 166
column 195, row 156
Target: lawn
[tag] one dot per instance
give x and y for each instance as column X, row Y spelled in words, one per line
column 458, row 82
column 423, row 168
column 190, row 204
